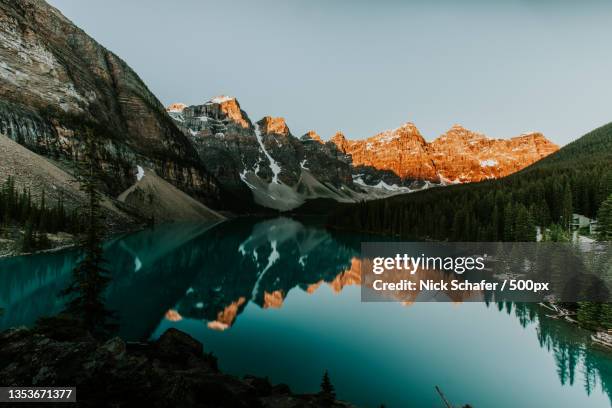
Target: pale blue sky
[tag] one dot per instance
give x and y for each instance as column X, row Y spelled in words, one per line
column 364, row 66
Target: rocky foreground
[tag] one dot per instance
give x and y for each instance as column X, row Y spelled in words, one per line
column 172, row 371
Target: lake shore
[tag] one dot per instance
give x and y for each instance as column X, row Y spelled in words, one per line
column 10, row 240
column 171, row 370
column 210, row 283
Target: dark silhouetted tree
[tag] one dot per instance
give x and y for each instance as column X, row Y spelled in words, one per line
column 89, row 277
column 567, row 207
column 327, row 388
column 524, row 228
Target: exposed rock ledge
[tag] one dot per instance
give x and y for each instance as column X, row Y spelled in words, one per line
column 172, row 371
column 603, row 338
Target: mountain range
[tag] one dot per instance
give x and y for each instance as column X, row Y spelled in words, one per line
column 457, row 156
column 57, row 84
column 283, row 171
column 577, row 179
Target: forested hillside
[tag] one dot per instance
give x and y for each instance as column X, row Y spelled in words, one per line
column 576, row 179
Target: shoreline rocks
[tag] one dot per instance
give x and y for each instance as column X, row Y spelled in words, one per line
column 171, row 371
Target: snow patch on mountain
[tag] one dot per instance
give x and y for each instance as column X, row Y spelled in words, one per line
column 445, row 181
column 488, row 163
column 392, row 187
column 358, row 180
column 381, row 185
column 140, row 173
column 282, row 197
column 388, row 136
column 277, row 196
column 243, row 177
column 221, row 99
column 383, row 189
column 274, row 167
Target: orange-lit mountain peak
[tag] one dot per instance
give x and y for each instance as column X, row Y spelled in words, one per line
column 341, row 142
column 271, row 125
column 228, row 106
column 458, row 134
column 312, row 135
column 459, row 155
column 222, row 99
column 402, row 150
column 176, row 107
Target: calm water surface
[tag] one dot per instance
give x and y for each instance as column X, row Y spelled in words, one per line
column 279, row 298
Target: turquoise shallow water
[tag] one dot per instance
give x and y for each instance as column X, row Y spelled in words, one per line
column 279, row 298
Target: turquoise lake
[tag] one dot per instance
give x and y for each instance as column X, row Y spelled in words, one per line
column 281, row 298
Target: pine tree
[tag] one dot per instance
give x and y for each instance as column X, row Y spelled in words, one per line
column 28, row 239
column 509, row 219
column 556, row 234
column 90, row 278
column 17, row 208
column 327, row 388
column 604, row 220
column 606, row 315
column 43, row 218
column 495, row 224
column 589, row 314
column 567, row 207
column 524, row 227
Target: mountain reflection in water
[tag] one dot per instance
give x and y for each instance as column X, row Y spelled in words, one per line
column 202, row 278
column 261, row 267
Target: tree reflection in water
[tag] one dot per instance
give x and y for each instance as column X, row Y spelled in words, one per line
column 212, row 272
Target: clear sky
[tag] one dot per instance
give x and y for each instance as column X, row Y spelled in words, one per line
column 360, row 66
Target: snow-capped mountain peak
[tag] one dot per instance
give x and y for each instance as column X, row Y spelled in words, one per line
column 282, row 171
column 222, row 99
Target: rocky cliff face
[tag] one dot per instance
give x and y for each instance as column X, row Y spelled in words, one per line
column 401, row 154
column 458, row 156
column 223, row 137
column 55, row 81
column 264, row 158
column 461, row 155
column 282, row 171
column 317, row 159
